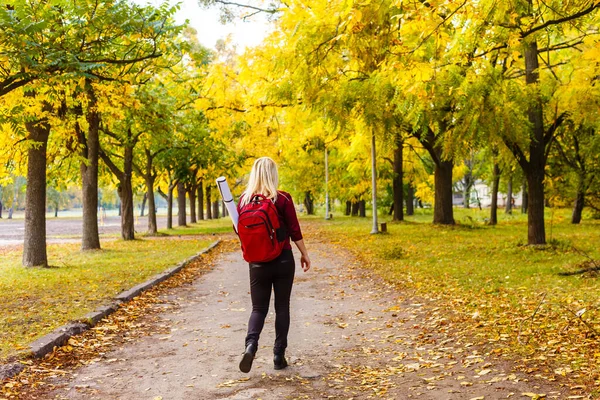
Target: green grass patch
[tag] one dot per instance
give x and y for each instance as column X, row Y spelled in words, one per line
column 491, row 280
column 35, row 301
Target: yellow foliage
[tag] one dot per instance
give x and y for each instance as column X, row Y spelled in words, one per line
column 424, row 191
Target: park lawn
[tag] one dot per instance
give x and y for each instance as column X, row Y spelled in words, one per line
column 508, row 296
column 35, row 301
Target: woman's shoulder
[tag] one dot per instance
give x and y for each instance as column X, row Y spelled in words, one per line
column 284, row 195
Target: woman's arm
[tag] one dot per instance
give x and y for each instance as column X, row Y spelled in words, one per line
column 291, row 221
column 304, row 259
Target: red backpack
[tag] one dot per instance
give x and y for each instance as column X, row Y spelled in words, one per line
column 260, row 232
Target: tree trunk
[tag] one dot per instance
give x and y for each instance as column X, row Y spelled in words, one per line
column 192, row 196
column 579, row 199
column 536, row 232
column 309, row 203
column 90, row 238
column 152, row 225
column 410, row 200
column 397, row 186
column 495, row 185
column 143, row 208
column 443, row 211
column 56, row 211
column 537, row 160
column 509, row 196
column 467, row 184
column 348, row 207
column 215, row 211
column 126, row 196
column 181, row 214
column 149, row 179
column 0, row 209
column 208, row 203
column 223, row 209
column 327, row 213
column 525, row 198
column 34, row 245
column 200, row 201
column 355, row 207
column 362, row 208
column 125, row 188
column 170, row 207
column 466, row 192
column 375, row 225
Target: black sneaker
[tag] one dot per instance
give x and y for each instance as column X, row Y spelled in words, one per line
column 248, row 357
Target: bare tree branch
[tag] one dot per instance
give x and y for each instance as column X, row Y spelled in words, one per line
column 259, row 9
column 571, row 17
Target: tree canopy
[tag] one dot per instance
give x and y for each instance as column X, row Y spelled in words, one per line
column 452, row 92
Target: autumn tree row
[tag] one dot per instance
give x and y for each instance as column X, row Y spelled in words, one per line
column 105, row 91
column 443, row 82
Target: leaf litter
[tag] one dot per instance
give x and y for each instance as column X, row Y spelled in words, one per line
column 436, row 349
column 40, row 376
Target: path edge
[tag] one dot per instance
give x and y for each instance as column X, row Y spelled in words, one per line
column 61, row 335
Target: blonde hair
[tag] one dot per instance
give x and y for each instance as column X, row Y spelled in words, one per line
column 264, row 180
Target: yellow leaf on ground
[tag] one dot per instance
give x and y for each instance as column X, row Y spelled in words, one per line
column 534, row 396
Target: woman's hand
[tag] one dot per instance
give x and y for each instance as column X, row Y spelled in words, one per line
column 305, row 262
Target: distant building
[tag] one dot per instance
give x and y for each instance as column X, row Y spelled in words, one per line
column 481, row 195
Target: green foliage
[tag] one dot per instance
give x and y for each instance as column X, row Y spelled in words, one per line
column 97, row 39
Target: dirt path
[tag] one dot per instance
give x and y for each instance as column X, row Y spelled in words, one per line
column 351, row 337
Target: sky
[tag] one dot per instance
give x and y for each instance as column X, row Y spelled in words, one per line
column 210, row 29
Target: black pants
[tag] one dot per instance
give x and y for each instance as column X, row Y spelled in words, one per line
column 278, row 275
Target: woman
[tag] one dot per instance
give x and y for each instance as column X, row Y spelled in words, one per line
column 277, row 274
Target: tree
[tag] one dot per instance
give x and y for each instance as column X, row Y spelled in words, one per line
column 578, row 150
column 517, row 29
column 153, row 31
column 40, row 44
column 454, row 75
column 34, row 247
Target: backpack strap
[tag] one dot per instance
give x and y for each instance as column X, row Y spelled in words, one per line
column 258, row 197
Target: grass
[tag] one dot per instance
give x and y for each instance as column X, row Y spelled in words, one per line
column 33, row 302
column 514, row 297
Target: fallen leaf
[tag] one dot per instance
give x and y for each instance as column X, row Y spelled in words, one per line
column 534, row 396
